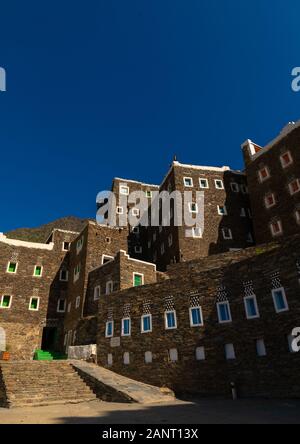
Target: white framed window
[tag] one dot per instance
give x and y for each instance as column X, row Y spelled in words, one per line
column 109, row 287
column 126, row 327
column 120, row 210
column 297, row 215
column 276, row 228
column 105, row 258
column 146, row 323
column 243, row 212
column 148, row 357
column 251, row 307
column 286, row 159
column 126, row 358
column 170, row 320
column 109, row 359
column 97, row 293
column 170, row 239
column 229, row 352
column 196, row 232
column 203, row 183
column 264, row 174
column 135, row 212
column 124, row 190
column 196, row 318
column 137, row 279
column 162, row 249
column 64, row 275
column 38, row 271
column 224, row 312
column 109, row 329
column 200, row 354
column 149, row 194
column 136, row 230
column 222, row 210
column 61, row 305
column 260, row 347
column 219, row 185
column 77, row 302
column 79, row 245
column 77, row 272
column 138, row 249
column 193, row 207
column 294, row 186
column 173, row 354
column 227, row 233
column 5, row 301
column 12, row 267
column 280, row 300
column 234, row 187
column 66, row 246
column 270, row 200
column 34, row 304
column 188, row 182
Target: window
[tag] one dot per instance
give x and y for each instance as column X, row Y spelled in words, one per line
column 279, row 299
column 286, row 159
column 229, row 352
column 294, row 186
column 243, row 212
column 77, row 272
column 69, row 307
column 148, row 357
column 196, row 319
column 146, row 323
column 138, row 279
column 126, row 327
column 61, row 305
column 188, row 181
column 193, row 207
column 66, row 246
column 109, row 329
column 109, row 359
column 297, row 216
column 173, row 354
column 138, row 249
column 224, row 313
column 263, row 174
column 136, row 230
column 222, row 210
column 106, row 259
column 124, row 190
column 203, row 183
column 170, row 240
column 34, row 304
column 162, row 249
column 108, row 240
column 276, row 228
column 227, row 233
column 260, row 347
column 251, row 307
column 234, row 187
column 77, row 304
column 79, row 245
column 135, row 212
column 200, row 354
column 126, row 358
column 197, row 232
column 5, row 301
column 12, row 267
column 149, row 194
column 109, row 287
column 270, row 200
column 97, row 293
column 170, row 320
column 219, row 184
column 38, row 271
column 64, row 275
column 120, row 210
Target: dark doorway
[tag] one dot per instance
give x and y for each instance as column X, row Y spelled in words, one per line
column 49, row 338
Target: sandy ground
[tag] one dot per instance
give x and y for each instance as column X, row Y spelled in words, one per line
column 177, row 412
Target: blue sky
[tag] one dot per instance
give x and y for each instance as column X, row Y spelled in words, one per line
column 108, row 88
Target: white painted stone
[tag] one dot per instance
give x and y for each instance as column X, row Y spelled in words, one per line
column 83, row 352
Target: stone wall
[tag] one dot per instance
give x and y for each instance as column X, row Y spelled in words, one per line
column 273, row 375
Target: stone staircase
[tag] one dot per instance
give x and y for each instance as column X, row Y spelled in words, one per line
column 37, row 383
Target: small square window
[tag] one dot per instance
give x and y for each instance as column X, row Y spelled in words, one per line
column 251, row 307
column 66, row 246
column 124, row 190
column 219, row 184
column 188, row 182
column 109, row 329
column 138, row 279
column 193, row 207
column 222, row 210
column 149, row 194
column 138, row 249
column 108, row 240
column 286, row 159
column 227, row 233
column 229, row 352
column 146, row 323
column 170, row 320
column 200, row 354
column 264, row 174
column 294, row 186
column 203, row 183
column 120, row 210
column 135, row 212
column 224, row 313
column 279, row 299
column 234, row 187
column 38, row 271
column 126, row 327
column 12, row 267
column 5, row 301
column 270, row 200
column 136, row 230
column 34, row 304
column 196, row 319
column 64, row 275
column 196, row 232
column 97, row 293
column 61, row 305
column 276, row 228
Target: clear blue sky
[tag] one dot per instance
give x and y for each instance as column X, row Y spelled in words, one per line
column 106, row 88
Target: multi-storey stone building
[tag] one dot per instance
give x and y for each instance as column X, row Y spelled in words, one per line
column 194, row 312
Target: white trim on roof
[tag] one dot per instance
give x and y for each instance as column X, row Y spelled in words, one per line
column 25, row 244
column 135, row 181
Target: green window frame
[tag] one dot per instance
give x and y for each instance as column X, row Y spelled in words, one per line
column 38, row 271
column 12, row 267
column 138, row 279
column 5, row 301
column 34, row 304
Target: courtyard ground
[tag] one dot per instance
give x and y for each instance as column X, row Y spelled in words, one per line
column 204, row 411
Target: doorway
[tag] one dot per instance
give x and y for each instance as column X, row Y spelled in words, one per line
column 49, row 338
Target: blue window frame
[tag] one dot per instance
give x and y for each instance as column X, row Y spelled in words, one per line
column 279, row 299
column 170, row 319
column 109, row 331
column 126, row 327
column 251, row 307
column 196, row 319
column 224, row 313
column 146, row 323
